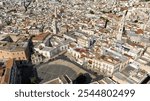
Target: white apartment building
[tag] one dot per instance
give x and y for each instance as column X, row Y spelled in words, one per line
column 104, row 65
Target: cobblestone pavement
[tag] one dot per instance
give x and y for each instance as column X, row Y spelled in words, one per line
column 57, row 68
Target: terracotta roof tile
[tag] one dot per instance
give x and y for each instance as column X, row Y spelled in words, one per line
column 40, row 37
column 139, row 31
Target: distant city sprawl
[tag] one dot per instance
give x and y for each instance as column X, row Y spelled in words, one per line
column 74, row 41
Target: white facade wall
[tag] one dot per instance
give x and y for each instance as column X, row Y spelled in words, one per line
column 101, row 66
column 43, row 52
column 64, row 47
